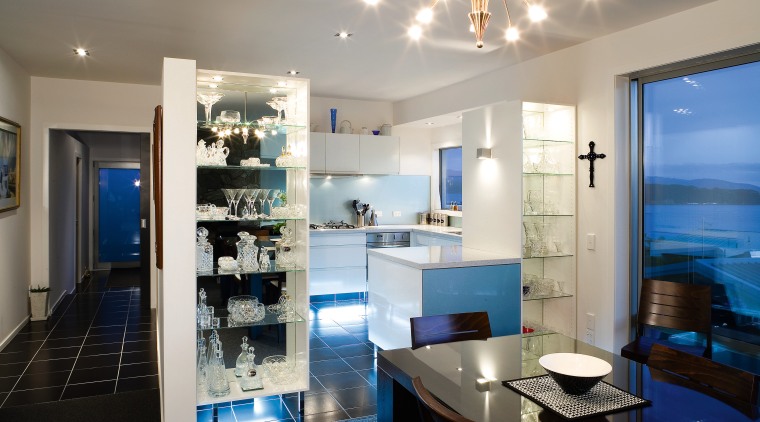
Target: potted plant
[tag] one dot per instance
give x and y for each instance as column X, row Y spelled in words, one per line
column 38, row 297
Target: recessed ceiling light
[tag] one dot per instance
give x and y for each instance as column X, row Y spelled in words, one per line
column 293, row 72
column 81, row 52
column 217, row 78
column 429, row 123
column 343, row 34
column 213, row 86
column 537, row 13
column 372, row 2
column 415, row 32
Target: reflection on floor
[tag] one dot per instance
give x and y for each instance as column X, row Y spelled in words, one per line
column 343, row 374
column 99, row 341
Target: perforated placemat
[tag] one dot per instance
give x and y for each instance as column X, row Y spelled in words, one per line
column 603, row 399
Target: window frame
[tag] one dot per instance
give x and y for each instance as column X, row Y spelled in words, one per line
column 441, row 178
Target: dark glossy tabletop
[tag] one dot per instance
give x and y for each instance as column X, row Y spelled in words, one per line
column 450, row 372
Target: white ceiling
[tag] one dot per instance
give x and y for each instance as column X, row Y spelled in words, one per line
column 128, row 39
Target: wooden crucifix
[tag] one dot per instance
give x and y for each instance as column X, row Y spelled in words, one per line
column 591, row 157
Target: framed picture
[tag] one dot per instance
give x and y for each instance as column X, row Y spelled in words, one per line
column 158, row 192
column 10, row 164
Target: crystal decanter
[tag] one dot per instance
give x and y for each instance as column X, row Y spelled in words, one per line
column 204, row 252
column 241, row 364
column 249, row 380
column 285, row 249
column 247, row 251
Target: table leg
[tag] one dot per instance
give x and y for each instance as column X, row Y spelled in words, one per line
column 394, row 401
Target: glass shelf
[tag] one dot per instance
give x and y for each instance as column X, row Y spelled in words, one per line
column 282, row 129
column 272, row 269
column 552, row 295
column 528, row 140
column 539, row 333
column 547, row 174
column 253, row 220
column 271, row 318
column 250, row 168
column 548, row 215
column 549, row 256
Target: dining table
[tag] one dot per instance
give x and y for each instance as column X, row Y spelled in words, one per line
column 467, row 376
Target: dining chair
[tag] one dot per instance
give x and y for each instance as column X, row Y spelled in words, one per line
column 734, row 386
column 676, row 306
column 436, row 329
column 432, row 410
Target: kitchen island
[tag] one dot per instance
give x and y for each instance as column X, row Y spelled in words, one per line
column 434, row 280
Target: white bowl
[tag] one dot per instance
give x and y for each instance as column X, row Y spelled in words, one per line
column 575, row 373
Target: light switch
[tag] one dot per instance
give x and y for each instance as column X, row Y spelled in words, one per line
column 591, row 241
column 397, row 213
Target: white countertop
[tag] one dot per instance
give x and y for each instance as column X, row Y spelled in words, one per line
column 451, row 231
column 434, row 257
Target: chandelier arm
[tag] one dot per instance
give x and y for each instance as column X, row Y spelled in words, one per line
column 509, row 18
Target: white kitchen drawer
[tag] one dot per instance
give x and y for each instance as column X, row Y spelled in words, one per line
column 337, row 256
column 338, row 239
column 337, row 280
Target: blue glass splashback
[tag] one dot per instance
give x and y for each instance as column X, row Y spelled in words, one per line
column 119, row 215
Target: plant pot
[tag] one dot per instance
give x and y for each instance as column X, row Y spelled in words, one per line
column 39, row 302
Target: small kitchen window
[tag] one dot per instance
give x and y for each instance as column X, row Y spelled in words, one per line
column 451, row 177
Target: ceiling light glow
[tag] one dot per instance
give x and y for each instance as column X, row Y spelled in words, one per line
column 213, row 86
column 282, row 84
column 81, row 52
column 371, row 2
column 537, row 13
column 217, row 78
column 343, row 35
column 425, row 15
column 512, row 34
column 272, row 90
column 415, row 32
column 293, row 72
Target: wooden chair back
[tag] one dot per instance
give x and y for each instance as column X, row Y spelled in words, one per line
column 431, row 410
column 436, row 329
column 736, row 387
column 680, row 306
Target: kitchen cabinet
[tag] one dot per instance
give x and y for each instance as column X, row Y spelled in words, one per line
column 317, row 151
column 549, row 265
column 341, row 153
column 379, row 154
column 434, row 239
column 337, row 262
column 280, row 146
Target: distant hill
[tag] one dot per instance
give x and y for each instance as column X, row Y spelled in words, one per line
column 701, row 183
column 660, row 194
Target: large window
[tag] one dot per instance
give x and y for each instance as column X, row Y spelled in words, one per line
column 700, row 196
column 451, row 177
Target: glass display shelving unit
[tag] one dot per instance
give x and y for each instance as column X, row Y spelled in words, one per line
column 278, row 139
column 548, row 265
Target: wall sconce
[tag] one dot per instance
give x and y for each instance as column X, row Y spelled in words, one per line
column 483, row 385
column 484, row 153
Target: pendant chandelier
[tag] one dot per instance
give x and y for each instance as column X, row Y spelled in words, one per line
column 479, row 17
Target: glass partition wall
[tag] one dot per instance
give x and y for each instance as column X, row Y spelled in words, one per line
column 699, row 187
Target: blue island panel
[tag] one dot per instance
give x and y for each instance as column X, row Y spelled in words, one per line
column 493, row 288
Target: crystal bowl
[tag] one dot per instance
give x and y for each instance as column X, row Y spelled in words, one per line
column 280, row 369
column 245, row 309
column 575, row 373
column 230, row 116
column 227, row 263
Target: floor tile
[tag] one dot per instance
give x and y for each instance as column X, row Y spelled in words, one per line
column 361, row 362
column 359, row 412
column 7, row 383
column 353, row 350
column 370, row 375
column 139, row 357
column 104, row 339
column 18, row 398
column 96, row 331
column 316, row 343
column 356, row 397
column 138, row 369
column 137, row 346
column 323, row 353
column 32, row 336
column 140, row 335
column 323, row 332
column 322, row 323
column 52, row 365
column 11, row 369
column 357, row 328
column 22, row 346
column 343, row 340
column 100, row 349
column 42, row 380
column 96, row 361
column 337, row 415
column 75, row 391
column 15, row 357
column 363, row 337
column 326, row 367
column 319, row 403
column 102, row 373
column 62, row 333
column 63, row 342
column 261, row 410
column 314, row 386
column 59, row 353
column 342, row 381
column 137, row 383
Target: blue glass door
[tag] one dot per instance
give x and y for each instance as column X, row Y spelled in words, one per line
column 118, row 215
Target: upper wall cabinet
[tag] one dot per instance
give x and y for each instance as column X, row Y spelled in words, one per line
column 337, row 153
column 341, row 153
column 379, row 154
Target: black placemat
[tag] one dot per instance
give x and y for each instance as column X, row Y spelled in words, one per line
column 603, row 399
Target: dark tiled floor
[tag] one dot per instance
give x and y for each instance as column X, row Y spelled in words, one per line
column 99, row 341
column 343, row 374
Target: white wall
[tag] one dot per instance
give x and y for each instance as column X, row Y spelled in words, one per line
column 15, row 86
column 62, row 234
column 369, row 114
column 83, row 105
column 585, row 75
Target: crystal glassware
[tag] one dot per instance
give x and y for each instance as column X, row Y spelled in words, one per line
column 280, row 369
column 238, row 194
column 249, row 380
column 271, row 196
column 218, row 386
column 263, row 193
column 264, row 261
column 250, row 197
column 208, row 99
column 285, row 249
column 241, row 364
column 201, row 376
column 247, row 251
column 245, row 309
column 229, row 194
column 204, row 251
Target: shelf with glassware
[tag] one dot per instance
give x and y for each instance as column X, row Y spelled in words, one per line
column 548, row 266
column 252, row 186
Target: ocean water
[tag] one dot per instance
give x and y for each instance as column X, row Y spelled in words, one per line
column 727, row 226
